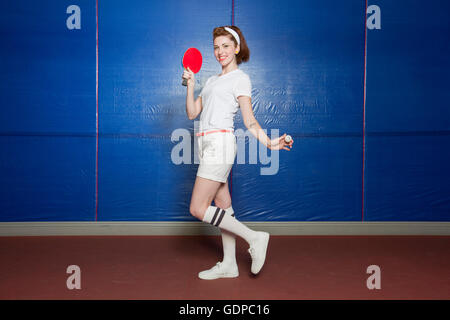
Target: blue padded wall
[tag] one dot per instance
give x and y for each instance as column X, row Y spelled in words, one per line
column 408, row 114
column 47, row 113
column 368, row 109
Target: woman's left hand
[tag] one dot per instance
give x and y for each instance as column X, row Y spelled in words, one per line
column 280, row 144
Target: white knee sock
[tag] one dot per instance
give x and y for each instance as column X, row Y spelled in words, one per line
column 228, row 242
column 218, row 218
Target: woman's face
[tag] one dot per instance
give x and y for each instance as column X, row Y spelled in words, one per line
column 224, row 50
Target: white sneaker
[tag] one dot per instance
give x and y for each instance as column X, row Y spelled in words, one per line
column 258, row 251
column 219, row 271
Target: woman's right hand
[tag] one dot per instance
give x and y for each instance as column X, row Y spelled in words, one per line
column 189, row 76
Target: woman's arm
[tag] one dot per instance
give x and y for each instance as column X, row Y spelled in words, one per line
column 253, row 126
column 193, row 108
column 250, row 121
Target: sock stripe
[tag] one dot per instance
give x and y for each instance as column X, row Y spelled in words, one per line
column 215, row 215
column 220, row 218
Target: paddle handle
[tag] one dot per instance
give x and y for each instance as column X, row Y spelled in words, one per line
column 184, row 83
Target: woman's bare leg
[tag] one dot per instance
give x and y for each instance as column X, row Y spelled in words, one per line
column 202, row 195
column 223, row 197
column 204, row 192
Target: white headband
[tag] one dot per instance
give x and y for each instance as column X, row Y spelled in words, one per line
column 235, row 35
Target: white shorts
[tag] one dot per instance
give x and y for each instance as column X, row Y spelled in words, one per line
column 216, row 152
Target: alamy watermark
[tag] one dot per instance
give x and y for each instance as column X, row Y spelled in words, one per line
column 186, row 151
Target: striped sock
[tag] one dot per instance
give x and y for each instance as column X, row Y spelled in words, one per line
column 218, row 218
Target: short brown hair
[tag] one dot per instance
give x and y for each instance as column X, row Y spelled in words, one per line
column 244, row 52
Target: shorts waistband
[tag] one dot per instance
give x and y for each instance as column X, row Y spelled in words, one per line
column 213, row 131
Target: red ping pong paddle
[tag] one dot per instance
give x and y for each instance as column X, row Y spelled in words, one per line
column 192, row 59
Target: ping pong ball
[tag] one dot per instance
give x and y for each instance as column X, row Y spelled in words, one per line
column 288, row 138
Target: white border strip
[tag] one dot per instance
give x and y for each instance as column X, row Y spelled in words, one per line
column 165, row 228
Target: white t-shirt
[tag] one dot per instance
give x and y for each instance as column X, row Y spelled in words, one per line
column 219, row 99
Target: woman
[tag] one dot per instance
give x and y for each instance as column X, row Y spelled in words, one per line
column 218, row 103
